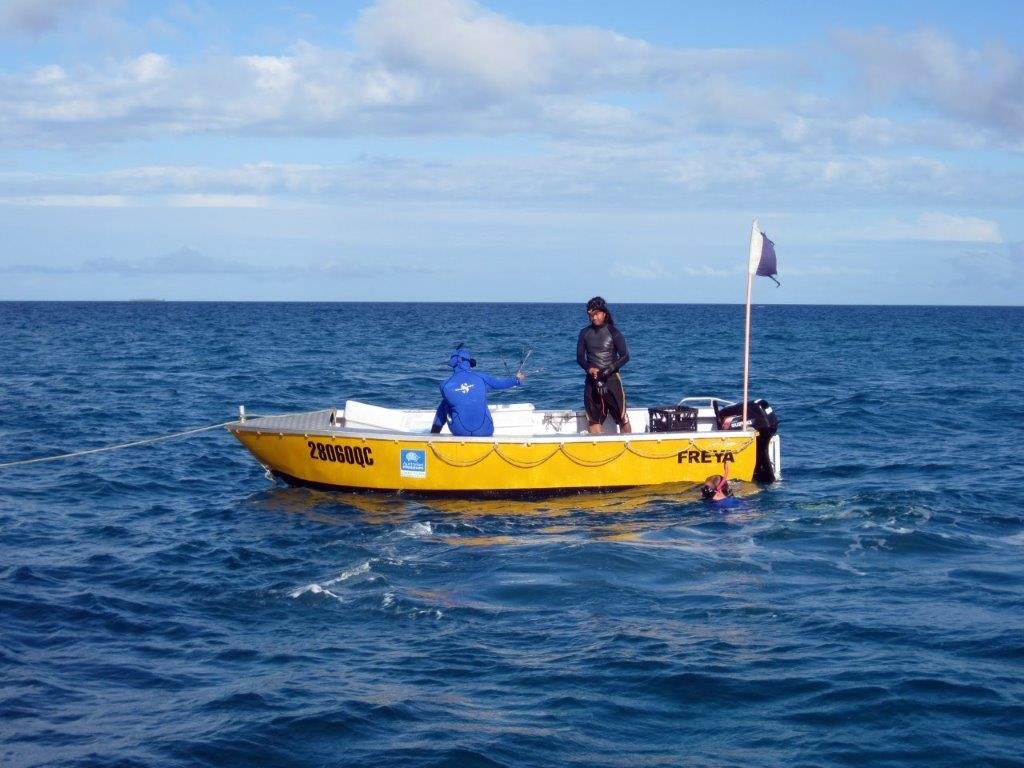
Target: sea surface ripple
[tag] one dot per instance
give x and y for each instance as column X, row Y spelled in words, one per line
column 168, row 605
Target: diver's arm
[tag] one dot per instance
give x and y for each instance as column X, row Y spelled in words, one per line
column 440, row 417
column 503, row 383
column 581, row 351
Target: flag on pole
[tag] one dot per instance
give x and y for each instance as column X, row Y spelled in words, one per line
column 762, row 254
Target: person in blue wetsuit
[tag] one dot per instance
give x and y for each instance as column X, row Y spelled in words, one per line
column 464, row 397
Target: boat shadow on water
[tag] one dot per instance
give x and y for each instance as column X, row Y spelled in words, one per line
column 628, row 515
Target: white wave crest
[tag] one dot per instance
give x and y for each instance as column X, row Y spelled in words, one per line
column 346, row 575
column 418, row 530
column 313, row 589
column 321, row 588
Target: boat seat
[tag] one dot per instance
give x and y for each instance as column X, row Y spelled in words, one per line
column 365, row 416
column 511, row 419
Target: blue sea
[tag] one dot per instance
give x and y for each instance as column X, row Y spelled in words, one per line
column 168, row 605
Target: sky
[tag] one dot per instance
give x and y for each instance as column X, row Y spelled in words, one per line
column 455, row 150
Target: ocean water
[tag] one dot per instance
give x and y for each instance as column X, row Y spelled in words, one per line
column 168, row 605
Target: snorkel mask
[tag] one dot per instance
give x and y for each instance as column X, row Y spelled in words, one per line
column 718, row 485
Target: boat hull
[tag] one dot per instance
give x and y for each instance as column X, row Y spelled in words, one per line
column 511, row 466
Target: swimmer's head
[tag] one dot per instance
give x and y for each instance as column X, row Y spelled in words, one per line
column 715, row 488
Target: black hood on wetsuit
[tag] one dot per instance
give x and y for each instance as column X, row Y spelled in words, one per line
column 598, row 303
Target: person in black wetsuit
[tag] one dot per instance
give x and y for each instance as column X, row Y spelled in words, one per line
column 601, row 351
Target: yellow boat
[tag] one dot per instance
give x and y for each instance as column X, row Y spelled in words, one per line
column 532, row 452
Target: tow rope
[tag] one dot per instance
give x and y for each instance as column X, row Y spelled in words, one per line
column 119, row 446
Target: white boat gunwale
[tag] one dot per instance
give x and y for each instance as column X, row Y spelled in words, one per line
column 274, row 425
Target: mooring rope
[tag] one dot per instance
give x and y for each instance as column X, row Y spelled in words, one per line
column 460, row 464
column 654, row 456
column 118, row 446
column 631, row 447
column 528, row 464
column 590, row 462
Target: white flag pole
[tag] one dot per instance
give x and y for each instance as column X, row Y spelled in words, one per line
column 754, row 258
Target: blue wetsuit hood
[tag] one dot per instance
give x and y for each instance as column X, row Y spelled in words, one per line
column 461, row 359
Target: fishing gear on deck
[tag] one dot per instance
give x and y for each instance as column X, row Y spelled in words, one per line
column 526, row 353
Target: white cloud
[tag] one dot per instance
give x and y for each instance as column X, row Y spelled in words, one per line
column 824, row 270
column 422, row 66
column 613, row 118
column 67, row 201
column 456, row 38
column 709, row 271
column 425, row 67
column 635, row 271
column 655, row 271
column 656, row 176
column 935, row 227
column 1001, row 269
column 181, row 261
column 461, row 43
column 149, row 67
column 984, row 87
column 189, row 261
column 220, row 201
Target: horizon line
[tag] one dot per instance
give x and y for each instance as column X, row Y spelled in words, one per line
column 493, row 302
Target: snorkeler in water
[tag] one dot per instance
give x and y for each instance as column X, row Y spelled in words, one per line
column 716, row 488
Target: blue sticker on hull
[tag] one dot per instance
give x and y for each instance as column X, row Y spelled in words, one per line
column 414, row 462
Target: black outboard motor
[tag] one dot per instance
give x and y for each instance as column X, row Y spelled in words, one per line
column 761, row 417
